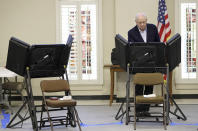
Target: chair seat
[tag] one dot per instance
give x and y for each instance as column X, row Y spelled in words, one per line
column 148, row 79
column 13, row 86
column 60, row 103
column 149, row 100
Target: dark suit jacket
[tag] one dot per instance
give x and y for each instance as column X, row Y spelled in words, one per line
column 152, row 34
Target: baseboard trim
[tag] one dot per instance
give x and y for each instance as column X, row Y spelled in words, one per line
column 185, row 96
column 106, row 97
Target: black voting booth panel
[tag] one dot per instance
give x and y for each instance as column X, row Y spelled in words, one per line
column 152, row 54
column 121, row 47
column 147, row 57
column 67, row 50
column 17, row 58
column 140, row 55
column 174, row 51
column 45, row 60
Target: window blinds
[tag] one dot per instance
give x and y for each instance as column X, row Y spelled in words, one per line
column 80, row 21
column 188, row 33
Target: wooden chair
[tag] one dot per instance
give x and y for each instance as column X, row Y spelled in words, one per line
column 13, row 88
column 150, row 79
column 71, row 115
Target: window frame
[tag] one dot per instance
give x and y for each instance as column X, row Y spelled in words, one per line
column 99, row 45
column 178, row 71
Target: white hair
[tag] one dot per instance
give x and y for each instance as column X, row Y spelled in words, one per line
column 140, row 14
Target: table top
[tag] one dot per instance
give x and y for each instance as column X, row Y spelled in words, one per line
column 6, row 73
column 112, row 66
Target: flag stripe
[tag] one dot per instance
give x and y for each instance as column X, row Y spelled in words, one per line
column 163, row 25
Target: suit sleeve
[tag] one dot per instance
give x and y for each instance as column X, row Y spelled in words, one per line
column 130, row 37
column 157, row 37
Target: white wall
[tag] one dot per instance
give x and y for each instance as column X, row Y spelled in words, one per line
column 127, row 9
column 32, row 21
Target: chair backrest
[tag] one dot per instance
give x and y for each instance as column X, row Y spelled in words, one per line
column 54, row 85
column 148, row 78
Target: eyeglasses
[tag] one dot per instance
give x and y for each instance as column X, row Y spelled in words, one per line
column 141, row 22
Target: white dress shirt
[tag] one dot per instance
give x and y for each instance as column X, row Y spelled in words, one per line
column 143, row 34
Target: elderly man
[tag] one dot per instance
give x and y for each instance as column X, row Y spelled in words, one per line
column 143, row 32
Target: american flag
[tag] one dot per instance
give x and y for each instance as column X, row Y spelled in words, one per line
column 163, row 25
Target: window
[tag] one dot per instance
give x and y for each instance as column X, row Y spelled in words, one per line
column 81, row 19
column 188, row 29
column 188, row 33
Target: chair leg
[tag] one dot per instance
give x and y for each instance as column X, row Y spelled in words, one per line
column 49, row 119
column 164, row 114
column 134, row 124
column 77, row 118
column 9, row 97
column 71, row 117
column 41, row 118
column 41, row 121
